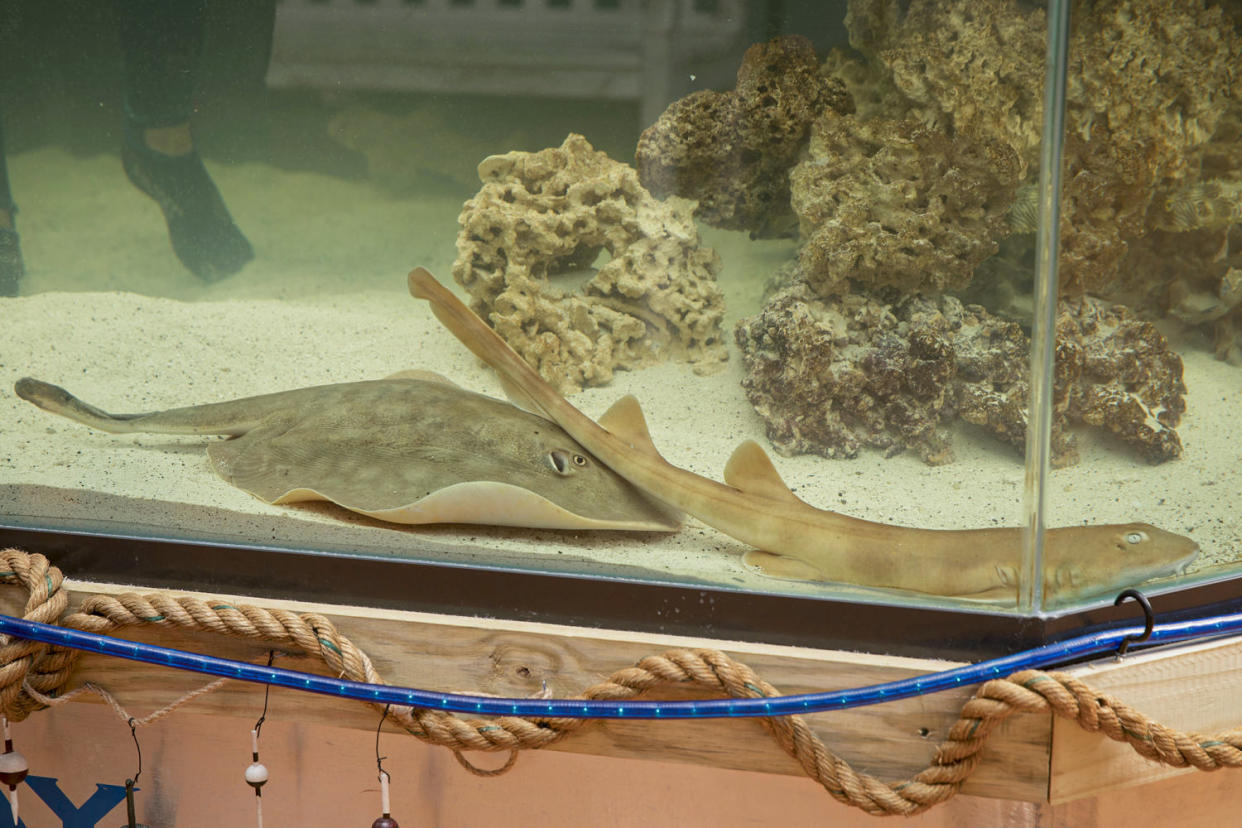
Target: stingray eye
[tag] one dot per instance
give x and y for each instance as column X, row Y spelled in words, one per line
column 1136, row 537
column 580, row 461
column 562, row 461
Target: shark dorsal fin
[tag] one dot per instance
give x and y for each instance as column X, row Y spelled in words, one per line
column 750, row 470
column 625, row 420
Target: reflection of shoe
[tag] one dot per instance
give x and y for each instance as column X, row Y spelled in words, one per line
column 203, row 234
column 11, row 267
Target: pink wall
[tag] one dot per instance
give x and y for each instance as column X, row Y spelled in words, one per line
column 320, row 776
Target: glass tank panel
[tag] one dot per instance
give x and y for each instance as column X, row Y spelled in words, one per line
column 796, row 240
column 1148, row 384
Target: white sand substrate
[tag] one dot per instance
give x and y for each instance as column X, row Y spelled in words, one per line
column 109, row 314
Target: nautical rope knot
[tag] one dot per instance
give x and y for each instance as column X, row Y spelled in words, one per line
column 29, row 671
column 24, row 663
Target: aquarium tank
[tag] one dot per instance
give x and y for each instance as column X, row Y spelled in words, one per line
column 847, row 323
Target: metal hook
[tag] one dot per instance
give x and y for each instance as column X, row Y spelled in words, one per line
column 1149, row 620
column 267, row 694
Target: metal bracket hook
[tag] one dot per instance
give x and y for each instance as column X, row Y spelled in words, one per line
column 1149, row 620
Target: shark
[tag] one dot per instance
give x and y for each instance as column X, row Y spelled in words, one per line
column 793, row 539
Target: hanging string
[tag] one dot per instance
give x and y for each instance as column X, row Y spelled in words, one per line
column 131, row 783
column 385, row 820
column 256, row 772
column 13, row 768
column 267, row 694
column 133, row 731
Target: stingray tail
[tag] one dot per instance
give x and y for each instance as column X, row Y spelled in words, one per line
column 57, row 400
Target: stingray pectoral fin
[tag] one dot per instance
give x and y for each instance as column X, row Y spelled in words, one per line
column 781, row 566
column 499, row 504
column 420, row 374
column 297, row 496
column 243, row 462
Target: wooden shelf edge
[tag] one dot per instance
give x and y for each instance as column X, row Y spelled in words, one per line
column 1192, row 688
column 1033, row 758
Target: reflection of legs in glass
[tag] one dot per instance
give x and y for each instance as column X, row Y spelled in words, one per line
column 203, row 234
column 11, row 268
column 162, row 42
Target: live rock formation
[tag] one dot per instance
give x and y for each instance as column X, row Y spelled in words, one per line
column 832, row 376
column 886, row 202
column 542, row 221
column 1154, row 90
column 731, row 151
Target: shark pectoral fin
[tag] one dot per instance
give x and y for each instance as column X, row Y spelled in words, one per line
column 625, row 419
column 750, row 470
column 426, row 376
column 781, row 566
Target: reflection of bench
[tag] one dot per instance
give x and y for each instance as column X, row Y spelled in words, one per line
column 613, row 49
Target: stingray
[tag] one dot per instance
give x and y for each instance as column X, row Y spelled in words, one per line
column 412, row 448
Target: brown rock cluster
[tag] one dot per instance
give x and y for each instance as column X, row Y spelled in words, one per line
column 527, row 248
column 1154, row 88
column 894, row 373
column 732, row 151
column 902, row 168
column 885, row 202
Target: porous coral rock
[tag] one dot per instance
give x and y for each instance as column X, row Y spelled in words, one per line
column 1154, row 91
column 547, row 214
column 885, row 202
column 1197, row 280
column 731, row 151
column 832, row 376
column 1130, row 381
column 976, row 65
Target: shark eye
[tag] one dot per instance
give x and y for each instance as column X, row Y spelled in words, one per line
column 1135, row 538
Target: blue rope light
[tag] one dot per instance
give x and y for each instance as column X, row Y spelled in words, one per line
column 1047, row 655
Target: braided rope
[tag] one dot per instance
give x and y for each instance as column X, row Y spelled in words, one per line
column 47, row 670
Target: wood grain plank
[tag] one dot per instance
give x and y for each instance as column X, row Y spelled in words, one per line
column 1192, row 688
column 892, row 741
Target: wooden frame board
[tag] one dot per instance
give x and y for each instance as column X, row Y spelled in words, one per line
column 1029, row 758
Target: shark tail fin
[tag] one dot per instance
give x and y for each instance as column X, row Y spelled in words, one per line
column 515, row 394
column 750, row 470
column 472, row 332
column 625, row 420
